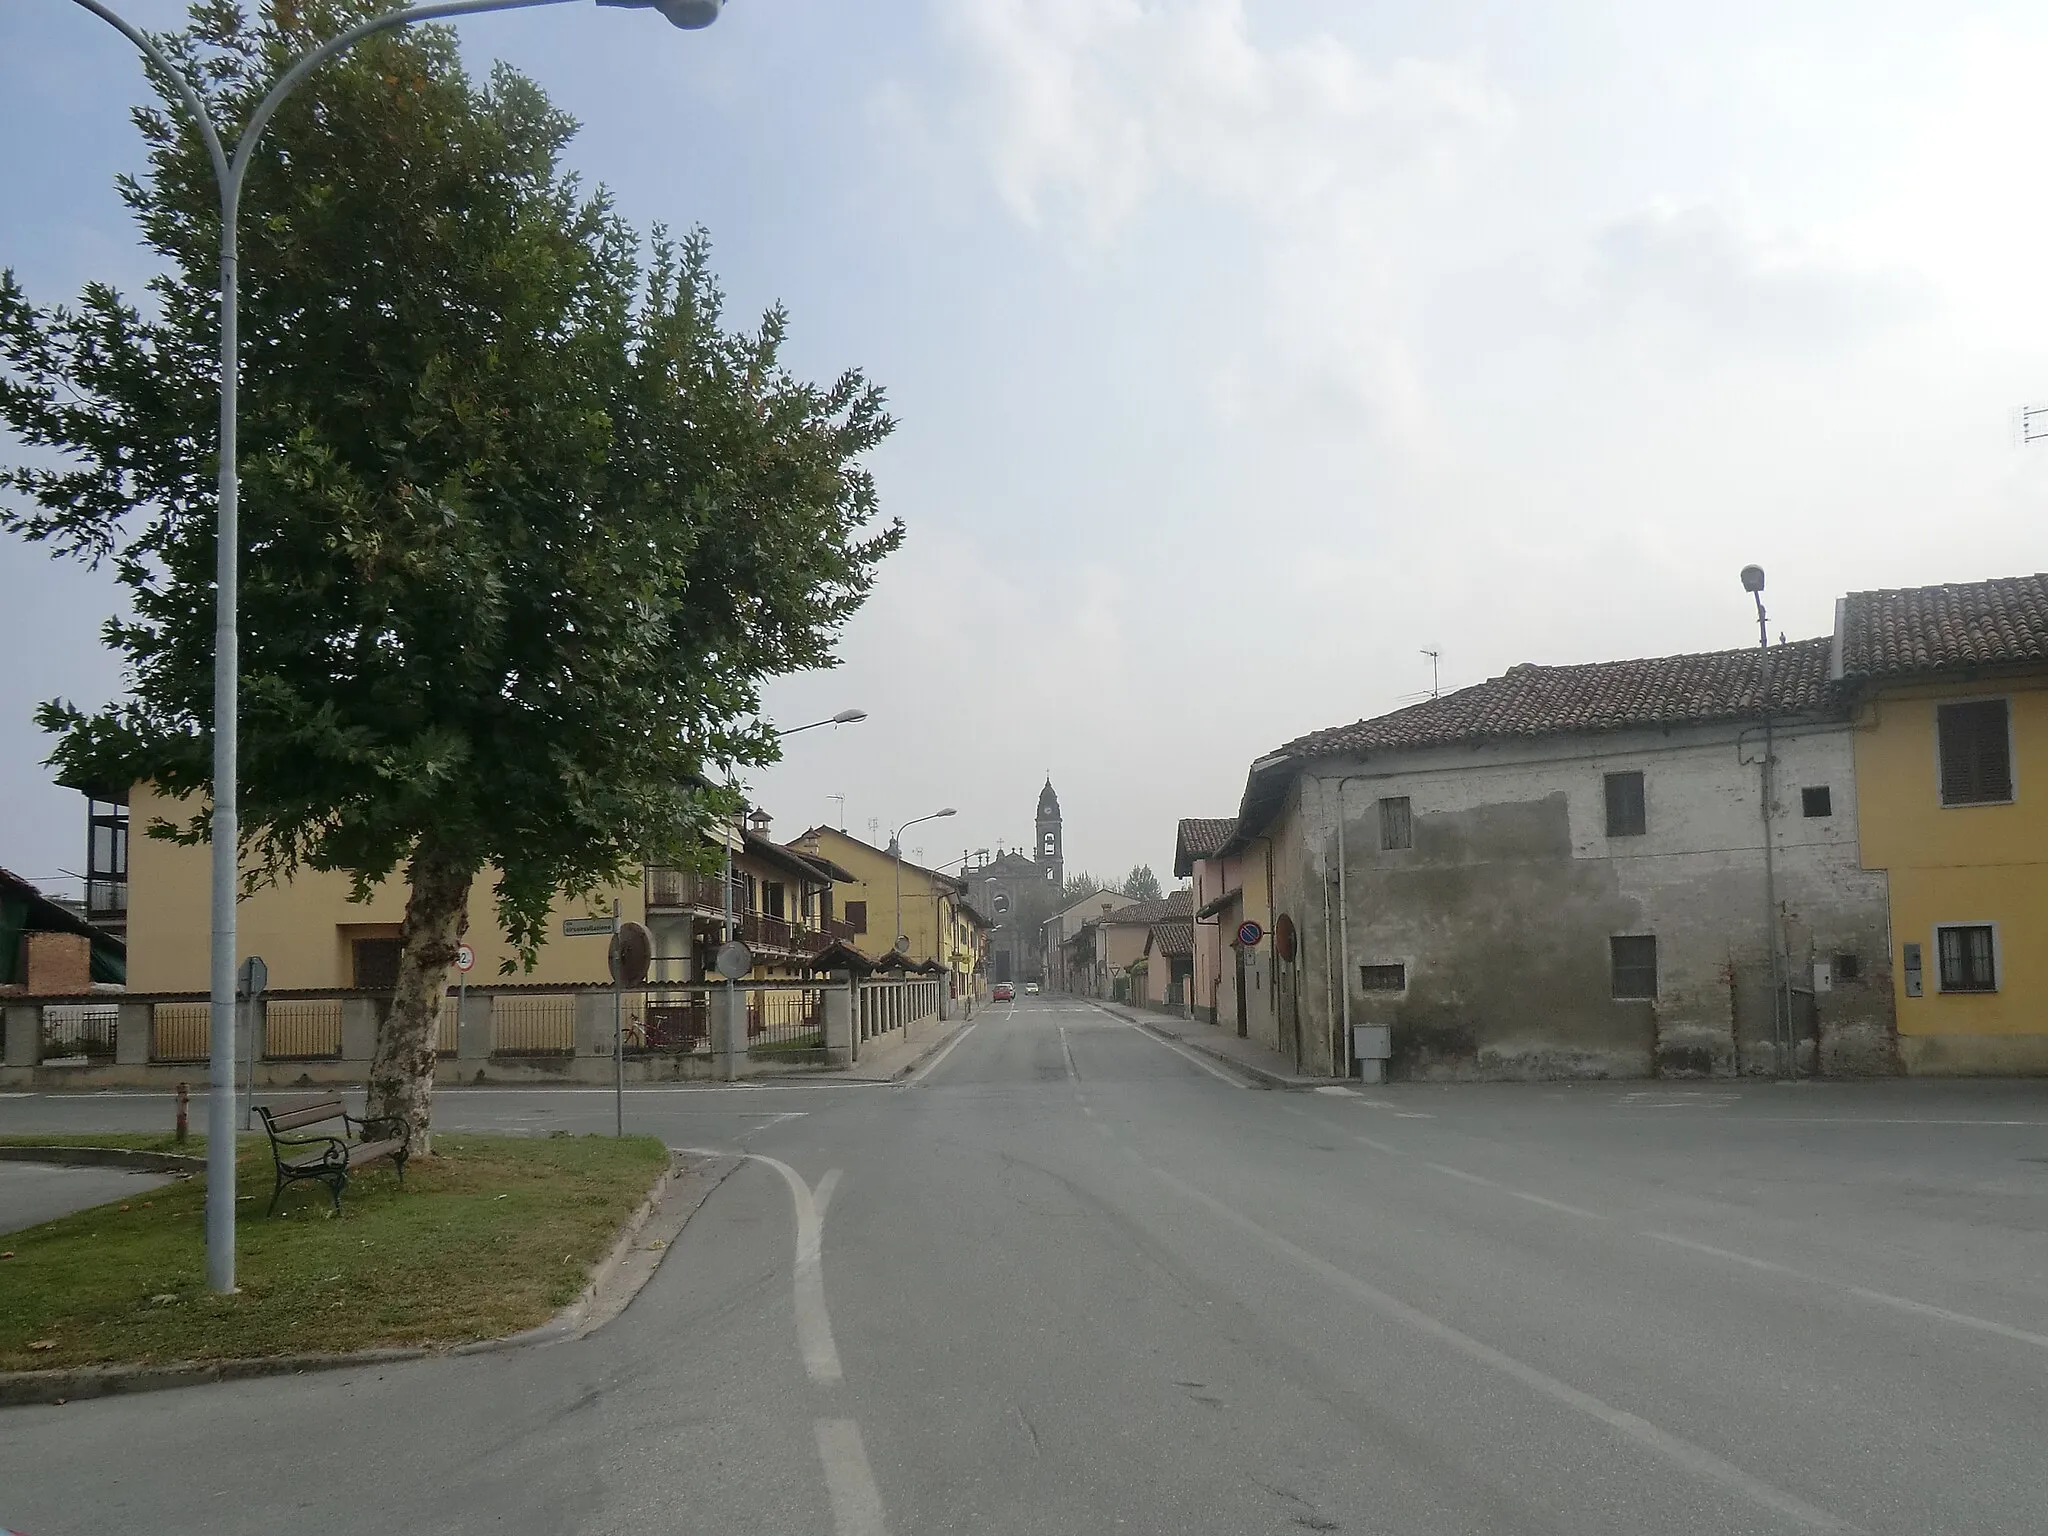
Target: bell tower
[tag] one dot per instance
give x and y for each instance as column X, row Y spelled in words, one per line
column 1050, row 851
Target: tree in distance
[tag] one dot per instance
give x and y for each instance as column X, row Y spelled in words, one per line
column 1141, row 884
column 524, row 525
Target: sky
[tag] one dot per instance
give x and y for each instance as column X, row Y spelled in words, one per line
column 1243, row 353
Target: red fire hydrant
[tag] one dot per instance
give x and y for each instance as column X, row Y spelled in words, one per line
column 184, row 1102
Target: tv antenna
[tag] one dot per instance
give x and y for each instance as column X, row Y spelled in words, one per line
column 1435, row 683
column 874, row 828
column 842, row 809
column 2031, row 422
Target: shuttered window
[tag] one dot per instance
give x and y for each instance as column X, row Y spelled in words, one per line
column 1635, row 965
column 857, row 916
column 1976, row 752
column 1396, row 828
column 1625, row 812
column 1383, row 978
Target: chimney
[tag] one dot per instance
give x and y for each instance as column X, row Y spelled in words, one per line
column 56, row 964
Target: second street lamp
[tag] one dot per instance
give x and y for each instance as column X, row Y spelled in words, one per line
column 896, row 852
column 229, row 172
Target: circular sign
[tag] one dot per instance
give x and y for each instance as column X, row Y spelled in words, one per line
column 630, row 955
column 1249, row 934
column 465, row 957
column 1283, row 936
column 735, row 961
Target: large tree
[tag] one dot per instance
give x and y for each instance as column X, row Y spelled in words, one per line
column 1142, row 883
column 525, row 526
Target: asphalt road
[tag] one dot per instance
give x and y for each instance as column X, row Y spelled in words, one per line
column 1073, row 1280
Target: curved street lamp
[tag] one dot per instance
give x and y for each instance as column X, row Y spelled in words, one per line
column 896, row 852
column 229, row 172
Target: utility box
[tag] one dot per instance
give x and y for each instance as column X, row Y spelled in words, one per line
column 1371, row 1046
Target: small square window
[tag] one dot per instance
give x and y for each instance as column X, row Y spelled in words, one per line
column 1976, row 752
column 1969, row 957
column 1635, row 965
column 1383, row 978
column 374, row 963
column 857, row 916
column 1397, row 828
column 1626, row 816
column 1848, row 966
column 1816, row 800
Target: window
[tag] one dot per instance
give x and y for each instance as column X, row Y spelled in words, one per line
column 1051, row 842
column 1635, row 965
column 1848, row 966
column 1969, row 957
column 1976, row 752
column 1816, row 800
column 374, row 963
column 1397, row 829
column 1625, row 815
column 857, row 916
column 1383, row 978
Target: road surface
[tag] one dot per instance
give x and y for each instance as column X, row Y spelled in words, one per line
column 1073, row 1280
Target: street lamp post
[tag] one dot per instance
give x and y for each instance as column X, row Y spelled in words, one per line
column 229, row 172
column 1781, row 1011
column 896, row 852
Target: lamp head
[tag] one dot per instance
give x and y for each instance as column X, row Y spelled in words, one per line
column 690, row 15
column 948, row 811
column 1752, row 578
column 848, row 716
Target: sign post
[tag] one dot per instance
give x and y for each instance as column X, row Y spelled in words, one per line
column 252, row 980
column 465, row 959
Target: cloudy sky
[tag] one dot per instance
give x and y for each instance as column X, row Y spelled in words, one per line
column 1244, row 352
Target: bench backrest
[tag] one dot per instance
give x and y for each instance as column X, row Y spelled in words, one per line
column 304, row 1115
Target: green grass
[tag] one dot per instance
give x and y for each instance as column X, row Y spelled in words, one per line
column 491, row 1235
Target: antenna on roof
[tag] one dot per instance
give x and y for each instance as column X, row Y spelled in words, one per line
column 2030, row 424
column 874, row 828
column 1435, row 683
column 842, row 809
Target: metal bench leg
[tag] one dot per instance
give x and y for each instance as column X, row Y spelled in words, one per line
column 399, row 1161
column 276, row 1191
column 334, row 1185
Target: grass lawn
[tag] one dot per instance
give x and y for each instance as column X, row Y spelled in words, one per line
column 491, row 1235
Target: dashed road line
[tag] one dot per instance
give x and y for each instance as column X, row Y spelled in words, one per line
column 849, row 1480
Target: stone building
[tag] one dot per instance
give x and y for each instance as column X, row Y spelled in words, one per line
column 1018, row 891
column 1562, row 872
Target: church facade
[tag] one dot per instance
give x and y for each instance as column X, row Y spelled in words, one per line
column 1017, row 891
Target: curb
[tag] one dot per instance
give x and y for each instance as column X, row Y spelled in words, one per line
column 104, row 1157
column 1259, row 1075
column 927, row 1053
column 591, row 1310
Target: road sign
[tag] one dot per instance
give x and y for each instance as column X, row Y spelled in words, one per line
column 1249, row 934
column 585, row 927
column 465, row 957
column 630, row 955
column 735, row 961
column 253, row 979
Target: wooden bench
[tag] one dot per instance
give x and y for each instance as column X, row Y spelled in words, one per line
column 327, row 1157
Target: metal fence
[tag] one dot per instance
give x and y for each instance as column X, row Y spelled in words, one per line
column 179, row 1031
column 79, row 1031
column 302, row 1030
column 534, row 1026
column 786, row 1019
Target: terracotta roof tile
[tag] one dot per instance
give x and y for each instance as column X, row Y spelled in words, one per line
column 1529, row 700
column 1174, row 937
column 1203, row 835
column 1945, row 629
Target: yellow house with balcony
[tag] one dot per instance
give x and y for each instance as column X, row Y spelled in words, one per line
column 939, row 924
column 1951, row 749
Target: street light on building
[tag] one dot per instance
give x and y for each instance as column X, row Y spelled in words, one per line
column 229, row 172
column 896, row 853
column 1781, row 1013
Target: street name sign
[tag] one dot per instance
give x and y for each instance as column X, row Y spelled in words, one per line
column 585, row 927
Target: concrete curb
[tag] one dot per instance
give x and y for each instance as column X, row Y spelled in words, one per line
column 1260, row 1075
column 104, row 1157
column 610, row 1288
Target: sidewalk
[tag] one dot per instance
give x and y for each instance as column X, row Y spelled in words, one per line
column 1268, row 1068
column 883, row 1061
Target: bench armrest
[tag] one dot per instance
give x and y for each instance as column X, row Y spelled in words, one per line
column 390, row 1125
column 337, row 1149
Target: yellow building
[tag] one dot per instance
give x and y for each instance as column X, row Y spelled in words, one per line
column 1951, row 685
column 938, row 923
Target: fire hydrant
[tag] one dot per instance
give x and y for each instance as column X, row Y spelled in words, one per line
column 184, row 1103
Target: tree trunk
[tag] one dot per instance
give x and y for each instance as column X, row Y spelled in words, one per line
column 402, row 1072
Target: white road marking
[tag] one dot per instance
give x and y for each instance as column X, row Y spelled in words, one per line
column 1520, row 1194
column 1863, row 1292
column 1067, row 1050
column 932, row 1066
column 1696, row 1459
column 1459, row 1173
column 774, row 1120
column 813, row 1324
column 856, row 1501
column 1377, row 1103
column 1413, row 1114
column 1207, row 1066
column 1344, row 1093
column 822, row 1195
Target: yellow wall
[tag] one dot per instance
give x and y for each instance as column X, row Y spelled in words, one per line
column 1961, row 864
column 875, row 884
column 302, row 929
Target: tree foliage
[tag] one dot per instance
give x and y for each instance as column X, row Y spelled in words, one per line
column 524, row 524
column 1078, row 885
column 1141, row 884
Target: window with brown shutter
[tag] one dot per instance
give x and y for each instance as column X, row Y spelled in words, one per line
column 1976, row 752
column 1396, row 827
column 857, row 916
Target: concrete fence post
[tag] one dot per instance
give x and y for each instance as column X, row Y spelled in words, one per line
column 358, row 1028
column 839, row 1046
column 473, row 1028
column 728, row 1033
column 131, row 1035
column 593, row 1023
column 24, row 1034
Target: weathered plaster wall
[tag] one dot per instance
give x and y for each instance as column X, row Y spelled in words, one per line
column 1503, row 909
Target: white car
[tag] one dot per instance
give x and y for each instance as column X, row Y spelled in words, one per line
column 1031, row 989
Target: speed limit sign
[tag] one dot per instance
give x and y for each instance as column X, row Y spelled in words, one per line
column 465, row 957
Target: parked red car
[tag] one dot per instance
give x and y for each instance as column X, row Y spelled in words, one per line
column 1003, row 992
